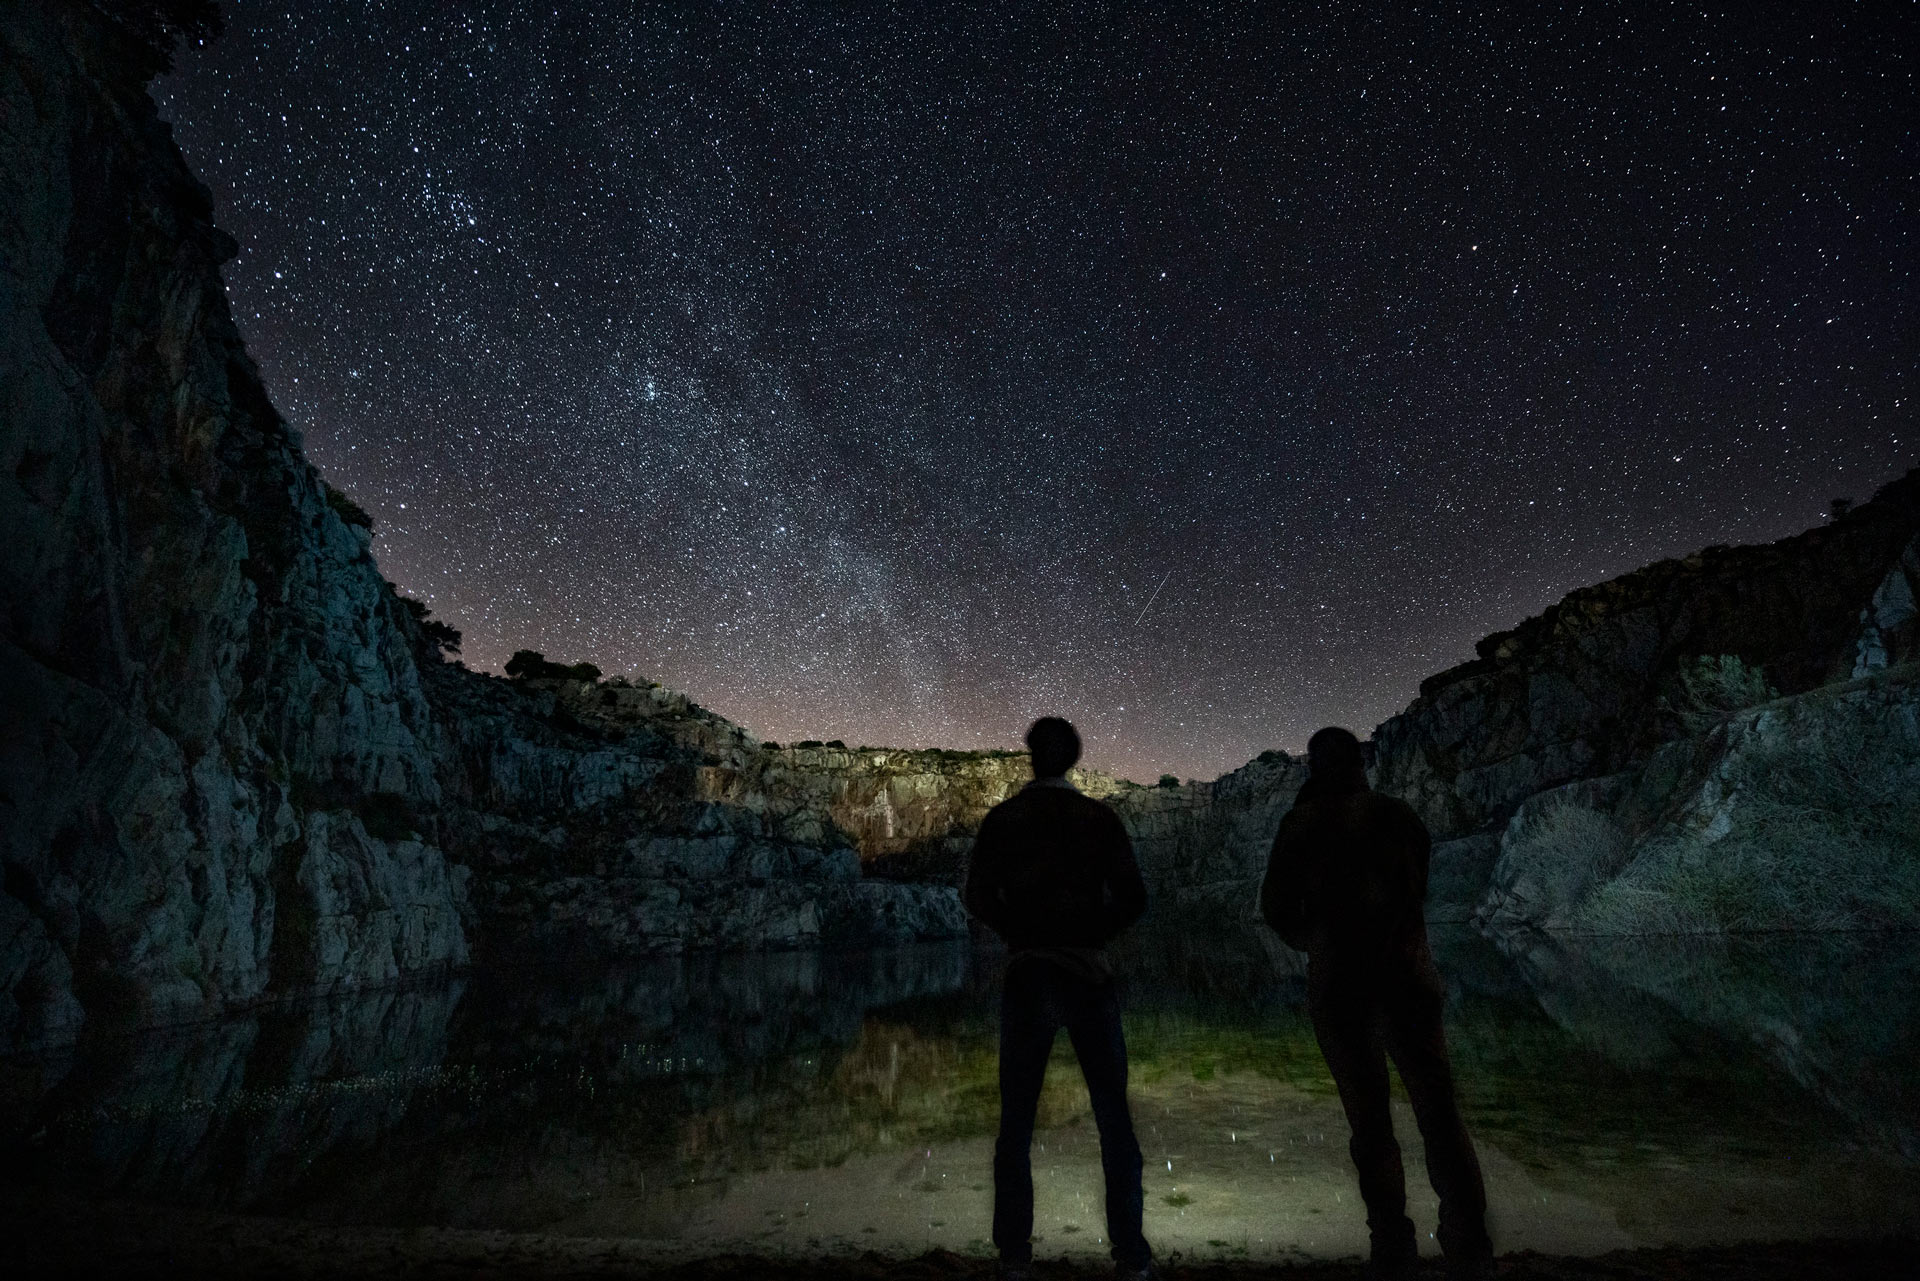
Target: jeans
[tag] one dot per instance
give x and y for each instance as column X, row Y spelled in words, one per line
column 1358, row 1025
column 1038, row 1001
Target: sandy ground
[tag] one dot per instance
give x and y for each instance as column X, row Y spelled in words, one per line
column 66, row 1236
column 1239, row 1169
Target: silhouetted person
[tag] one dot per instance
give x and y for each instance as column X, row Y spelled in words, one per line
column 1345, row 884
column 1053, row 874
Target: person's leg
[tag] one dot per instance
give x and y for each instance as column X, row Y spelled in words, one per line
column 1347, row 1028
column 1093, row 1023
column 1418, row 1042
column 1028, row 1022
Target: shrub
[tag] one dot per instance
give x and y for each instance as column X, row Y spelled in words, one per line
column 1559, row 853
column 443, row 637
column 346, row 509
column 530, row 664
column 306, row 793
column 154, row 25
column 1168, row 780
column 1713, row 687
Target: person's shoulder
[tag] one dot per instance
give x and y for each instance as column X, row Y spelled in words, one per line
column 1009, row 808
column 1031, row 803
column 1392, row 808
column 1091, row 805
column 1304, row 808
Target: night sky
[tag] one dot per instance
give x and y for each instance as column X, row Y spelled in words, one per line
column 897, row 374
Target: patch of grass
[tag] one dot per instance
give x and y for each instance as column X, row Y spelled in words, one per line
column 1715, row 686
column 1164, row 1044
column 1824, row 835
column 1561, row 852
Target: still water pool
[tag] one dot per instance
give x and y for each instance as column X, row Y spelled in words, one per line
column 1642, row 1092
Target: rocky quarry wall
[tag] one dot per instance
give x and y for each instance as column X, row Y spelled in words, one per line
column 236, row 768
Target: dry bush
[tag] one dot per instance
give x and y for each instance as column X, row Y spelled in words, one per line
column 1561, row 852
column 1715, row 686
column 1825, row 835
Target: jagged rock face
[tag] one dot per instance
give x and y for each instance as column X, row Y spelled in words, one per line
column 1799, row 814
column 233, row 768
column 624, row 813
column 914, row 814
column 1890, row 622
column 202, row 681
column 623, row 818
column 910, row 815
column 1577, row 692
column 1203, row 846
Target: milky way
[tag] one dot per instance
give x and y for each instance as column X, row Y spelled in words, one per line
column 898, row 375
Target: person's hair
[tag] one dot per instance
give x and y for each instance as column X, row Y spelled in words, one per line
column 1335, row 761
column 1055, row 745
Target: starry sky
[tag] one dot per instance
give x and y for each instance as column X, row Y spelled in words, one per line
column 1203, row 373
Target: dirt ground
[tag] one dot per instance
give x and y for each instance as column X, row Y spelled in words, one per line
column 55, row 1236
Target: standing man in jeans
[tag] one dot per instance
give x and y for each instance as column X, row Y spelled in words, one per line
column 1346, row 884
column 1053, row 874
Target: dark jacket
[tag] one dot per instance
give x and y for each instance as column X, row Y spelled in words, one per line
column 1347, row 879
column 1054, row 869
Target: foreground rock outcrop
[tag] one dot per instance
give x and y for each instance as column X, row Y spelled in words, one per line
column 1592, row 688
column 1802, row 813
column 1586, row 688
column 205, row 679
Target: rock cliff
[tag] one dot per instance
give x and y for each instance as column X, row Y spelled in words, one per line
column 1586, row 688
column 1802, row 813
column 235, row 765
column 207, row 687
column 582, row 825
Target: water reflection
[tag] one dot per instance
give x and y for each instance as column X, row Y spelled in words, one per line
column 1625, row 1092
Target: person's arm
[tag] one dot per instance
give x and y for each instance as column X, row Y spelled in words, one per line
column 1282, row 895
column 1413, row 848
column 1126, row 889
column 985, row 894
column 1419, row 843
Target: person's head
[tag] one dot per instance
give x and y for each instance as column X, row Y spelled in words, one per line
column 1055, row 746
column 1335, row 761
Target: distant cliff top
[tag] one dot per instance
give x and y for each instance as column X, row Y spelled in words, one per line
column 1826, row 572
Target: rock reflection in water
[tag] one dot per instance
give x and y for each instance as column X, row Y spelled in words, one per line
column 303, row 1107
column 1637, row 1091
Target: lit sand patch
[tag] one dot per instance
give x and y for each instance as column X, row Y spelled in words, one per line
column 1236, row 1167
